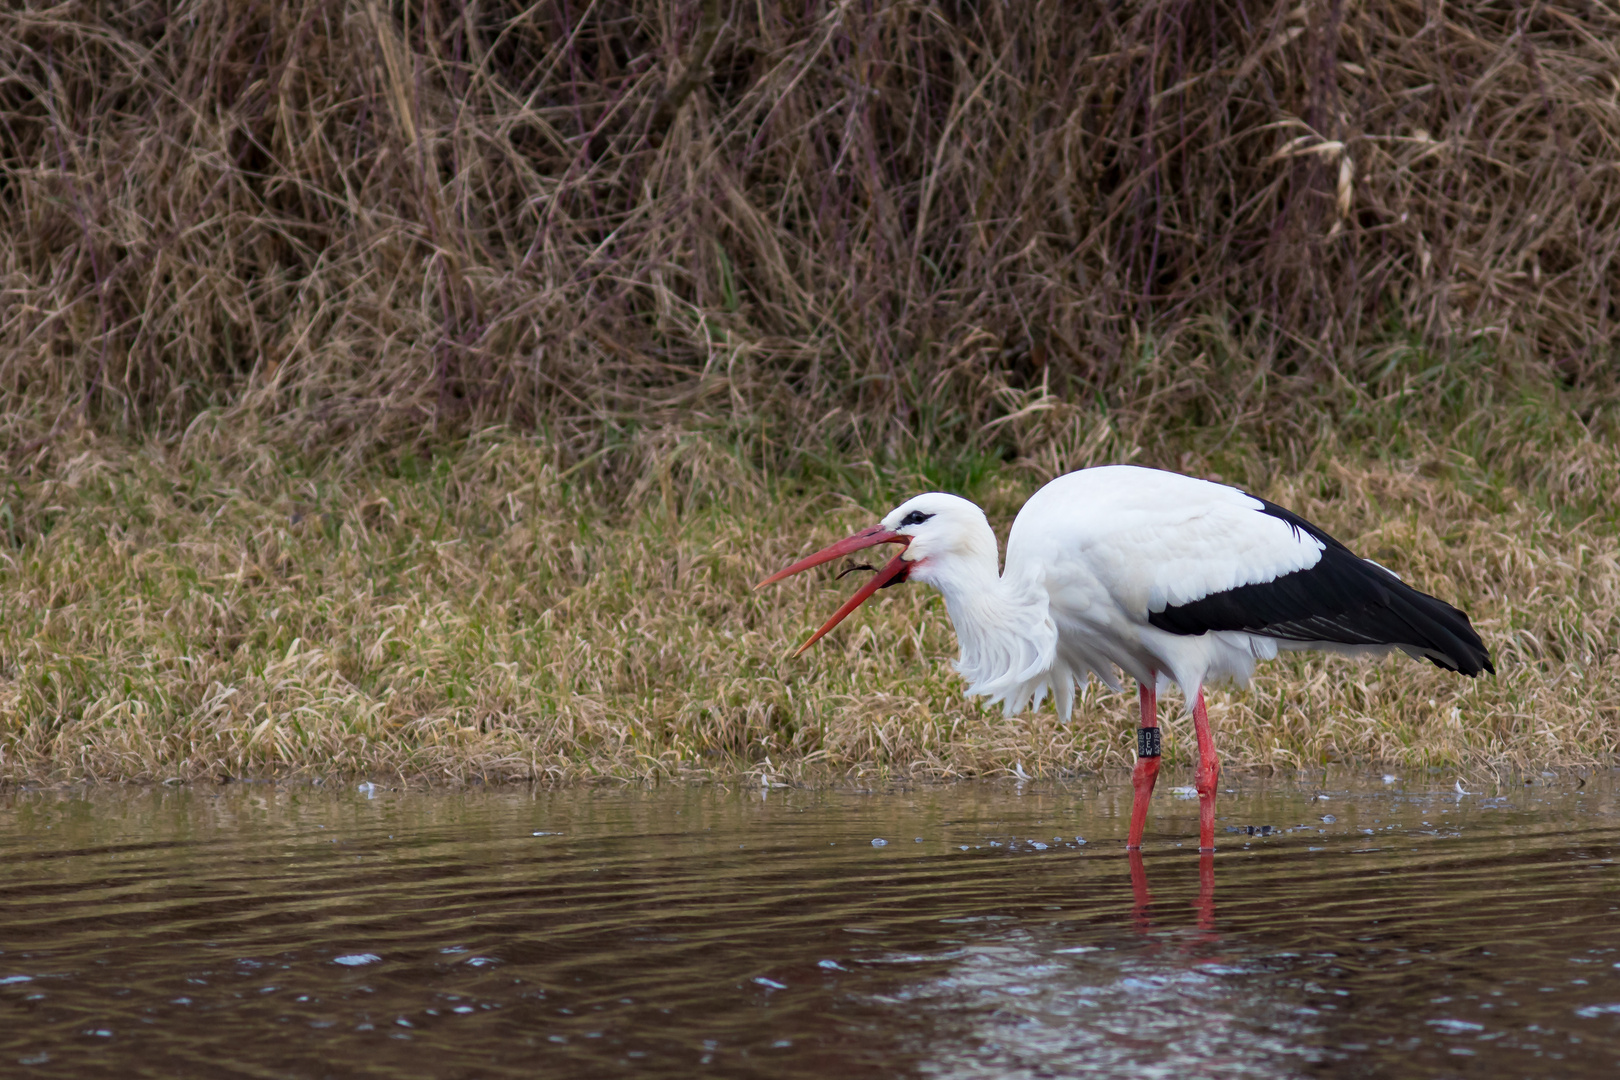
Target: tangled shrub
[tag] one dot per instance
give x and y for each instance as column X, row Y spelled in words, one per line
column 358, row 221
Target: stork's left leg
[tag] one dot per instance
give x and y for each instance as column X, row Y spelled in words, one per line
column 1209, row 775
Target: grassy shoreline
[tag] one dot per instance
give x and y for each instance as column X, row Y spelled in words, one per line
column 208, row 607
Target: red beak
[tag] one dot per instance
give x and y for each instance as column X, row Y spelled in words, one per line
column 894, row 570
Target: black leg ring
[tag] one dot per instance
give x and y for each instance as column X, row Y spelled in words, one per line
column 1147, row 742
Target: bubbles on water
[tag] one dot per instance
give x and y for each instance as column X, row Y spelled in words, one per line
column 769, row 984
column 357, row 959
column 368, row 789
column 1328, row 819
column 880, row 842
column 11, row 980
column 1592, row 1012
column 1390, row 778
column 1037, row 845
column 831, row 965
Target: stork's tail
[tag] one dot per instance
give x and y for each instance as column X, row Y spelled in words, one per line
column 1439, row 631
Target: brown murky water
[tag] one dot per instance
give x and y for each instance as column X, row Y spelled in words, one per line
column 1391, row 928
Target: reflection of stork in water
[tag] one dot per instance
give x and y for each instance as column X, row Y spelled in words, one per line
column 1166, row 578
column 1204, row 905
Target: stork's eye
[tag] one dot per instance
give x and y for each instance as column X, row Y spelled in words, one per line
column 916, row 517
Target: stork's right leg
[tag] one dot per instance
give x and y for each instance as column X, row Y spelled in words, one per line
column 1209, row 775
column 1147, row 767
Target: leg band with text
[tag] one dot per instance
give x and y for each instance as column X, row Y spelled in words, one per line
column 1147, row 742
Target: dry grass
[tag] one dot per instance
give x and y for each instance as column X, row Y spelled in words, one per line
column 819, row 224
column 206, row 607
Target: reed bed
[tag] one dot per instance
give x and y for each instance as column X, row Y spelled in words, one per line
column 417, row 389
column 826, row 223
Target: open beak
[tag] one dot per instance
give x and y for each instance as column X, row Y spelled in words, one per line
column 893, row 571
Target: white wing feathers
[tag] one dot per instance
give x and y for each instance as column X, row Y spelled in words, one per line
column 1152, row 539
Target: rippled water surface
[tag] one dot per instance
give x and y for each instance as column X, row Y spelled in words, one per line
column 1393, row 928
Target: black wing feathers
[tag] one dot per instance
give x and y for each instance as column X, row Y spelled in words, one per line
column 1342, row 599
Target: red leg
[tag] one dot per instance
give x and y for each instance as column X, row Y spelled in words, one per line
column 1146, row 772
column 1209, row 775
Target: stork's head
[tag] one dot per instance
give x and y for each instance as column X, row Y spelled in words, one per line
column 934, row 529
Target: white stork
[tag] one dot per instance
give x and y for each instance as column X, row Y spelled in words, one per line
column 1164, row 577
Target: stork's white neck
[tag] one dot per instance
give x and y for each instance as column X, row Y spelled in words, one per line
column 1007, row 637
